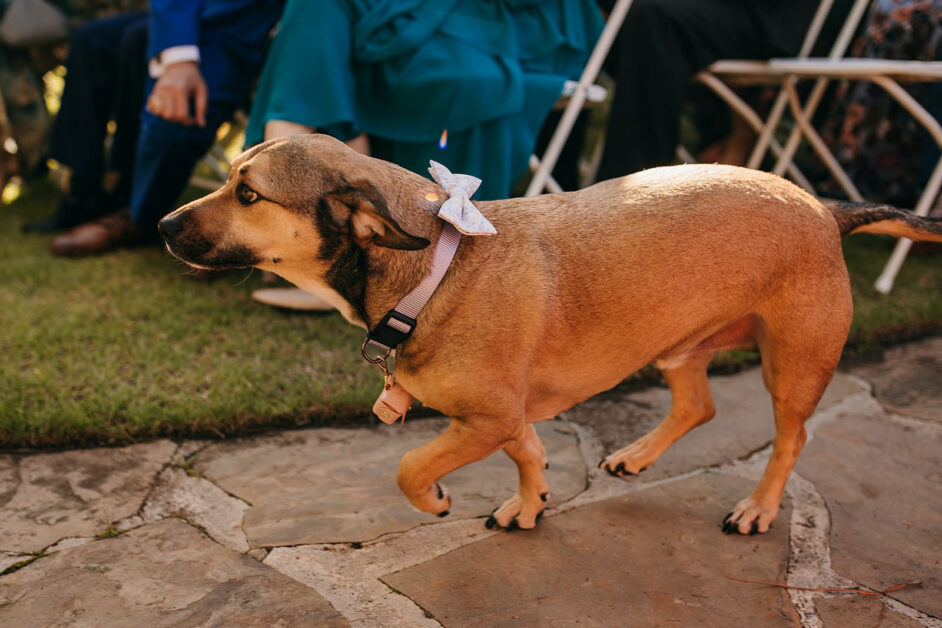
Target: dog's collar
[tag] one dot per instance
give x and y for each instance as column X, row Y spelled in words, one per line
column 399, row 322
column 460, row 216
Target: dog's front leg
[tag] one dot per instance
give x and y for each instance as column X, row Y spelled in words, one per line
column 527, row 506
column 467, row 440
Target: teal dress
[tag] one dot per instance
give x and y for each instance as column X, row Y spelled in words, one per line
column 406, row 71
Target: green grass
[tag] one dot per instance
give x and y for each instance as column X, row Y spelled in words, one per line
column 126, row 347
column 912, row 309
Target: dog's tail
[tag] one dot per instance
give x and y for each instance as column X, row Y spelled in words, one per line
column 885, row 219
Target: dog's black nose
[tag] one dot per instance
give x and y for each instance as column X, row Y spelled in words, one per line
column 169, row 227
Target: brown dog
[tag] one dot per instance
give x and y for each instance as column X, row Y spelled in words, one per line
column 575, row 292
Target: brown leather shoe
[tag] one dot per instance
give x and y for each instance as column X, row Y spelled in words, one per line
column 100, row 236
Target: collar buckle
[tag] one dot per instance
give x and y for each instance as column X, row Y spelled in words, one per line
column 394, row 329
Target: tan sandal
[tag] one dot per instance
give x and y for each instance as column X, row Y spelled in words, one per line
column 292, row 299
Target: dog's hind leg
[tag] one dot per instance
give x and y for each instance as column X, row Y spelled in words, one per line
column 467, row 440
column 525, row 508
column 691, row 405
column 798, row 361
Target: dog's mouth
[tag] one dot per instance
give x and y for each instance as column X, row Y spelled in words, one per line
column 188, row 248
column 194, row 248
column 213, row 258
column 183, row 258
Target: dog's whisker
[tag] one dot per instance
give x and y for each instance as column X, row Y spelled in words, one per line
column 246, row 278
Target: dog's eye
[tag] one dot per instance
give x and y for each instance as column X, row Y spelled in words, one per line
column 246, row 195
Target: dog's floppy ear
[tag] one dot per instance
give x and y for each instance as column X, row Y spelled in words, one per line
column 363, row 207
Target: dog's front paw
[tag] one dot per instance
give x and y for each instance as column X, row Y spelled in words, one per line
column 749, row 517
column 435, row 500
column 443, row 505
column 518, row 513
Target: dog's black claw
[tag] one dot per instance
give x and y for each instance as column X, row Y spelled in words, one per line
column 443, row 513
column 441, row 493
column 539, row 515
column 513, row 525
column 729, row 527
column 755, row 528
column 547, row 465
column 491, row 522
column 601, row 462
column 543, row 496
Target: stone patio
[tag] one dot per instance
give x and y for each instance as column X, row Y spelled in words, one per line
column 307, row 527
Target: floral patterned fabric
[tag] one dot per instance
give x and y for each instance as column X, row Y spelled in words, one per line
column 884, row 150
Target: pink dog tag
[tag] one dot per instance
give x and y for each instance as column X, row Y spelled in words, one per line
column 393, row 402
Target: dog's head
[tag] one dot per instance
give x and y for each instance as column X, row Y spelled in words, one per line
column 309, row 209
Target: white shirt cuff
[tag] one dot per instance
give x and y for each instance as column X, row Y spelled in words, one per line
column 174, row 54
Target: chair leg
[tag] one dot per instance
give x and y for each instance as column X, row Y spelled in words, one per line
column 592, row 68
column 550, row 183
column 804, row 126
column 752, row 118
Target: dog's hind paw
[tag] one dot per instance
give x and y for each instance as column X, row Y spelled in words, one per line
column 517, row 514
column 513, row 525
column 732, row 527
column 749, row 517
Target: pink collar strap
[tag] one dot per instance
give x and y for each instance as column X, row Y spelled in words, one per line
column 399, row 322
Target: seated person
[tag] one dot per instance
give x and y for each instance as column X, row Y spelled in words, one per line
column 884, row 150
column 663, row 43
column 39, row 44
column 407, row 82
column 107, row 71
column 403, row 72
column 201, row 59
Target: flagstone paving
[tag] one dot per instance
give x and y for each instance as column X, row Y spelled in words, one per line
column 166, row 573
column 307, row 527
column 645, row 559
column 883, row 485
column 908, row 380
column 860, row 611
column 47, row 497
column 339, row 485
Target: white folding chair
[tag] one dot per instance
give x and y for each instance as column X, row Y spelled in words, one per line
column 594, row 95
column 580, row 94
column 787, row 71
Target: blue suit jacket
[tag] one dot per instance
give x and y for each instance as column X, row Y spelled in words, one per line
column 231, row 36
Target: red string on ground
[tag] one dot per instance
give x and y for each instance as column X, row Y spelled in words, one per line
column 780, row 585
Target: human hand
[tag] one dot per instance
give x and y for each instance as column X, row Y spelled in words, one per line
column 170, row 98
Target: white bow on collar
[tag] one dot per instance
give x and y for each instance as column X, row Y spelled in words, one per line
column 458, row 208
